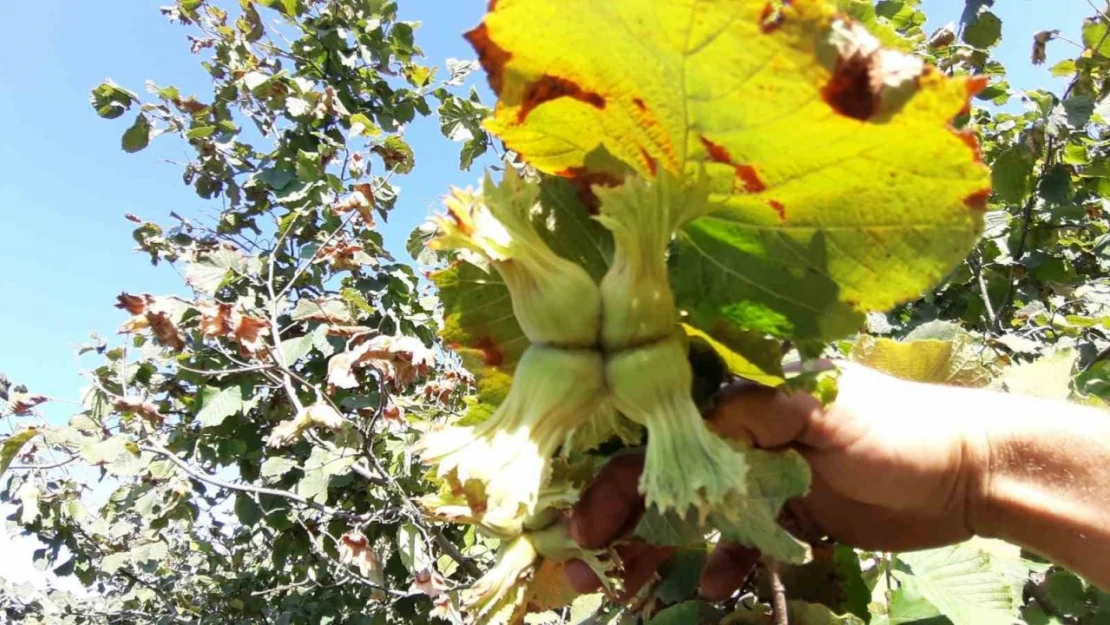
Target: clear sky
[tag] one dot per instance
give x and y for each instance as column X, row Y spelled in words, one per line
column 65, row 249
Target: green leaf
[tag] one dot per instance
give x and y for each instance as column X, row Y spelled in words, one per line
column 1071, row 114
column 201, row 132
column 396, row 155
column 137, row 136
column 797, row 612
column 583, row 609
column 412, row 549
column 218, row 404
column 296, row 348
column 751, row 517
column 356, row 299
column 108, row 451
column 997, row 93
column 276, row 467
column 833, row 579
column 669, row 529
column 1063, row 68
column 331, row 310
column 1067, row 593
column 984, row 32
column 276, row 179
column 247, row 510
column 321, row 465
column 210, row 273
column 679, row 577
column 963, row 583
column 1055, row 185
column 1033, row 614
column 113, row 562
column 1095, row 36
column 907, row 605
column 314, row 485
column 1095, row 380
column 863, row 11
column 150, row 552
column 1012, row 175
column 567, row 226
column 111, row 101
column 309, row 168
column 362, row 126
column 11, row 445
column 688, row 613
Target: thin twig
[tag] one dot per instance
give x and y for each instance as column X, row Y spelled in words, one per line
column 224, row 371
column 342, row 226
column 447, row 546
column 275, row 327
column 888, row 563
column 342, row 568
column 977, row 266
column 42, row 467
column 1026, row 222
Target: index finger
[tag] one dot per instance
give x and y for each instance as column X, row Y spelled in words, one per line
column 611, row 505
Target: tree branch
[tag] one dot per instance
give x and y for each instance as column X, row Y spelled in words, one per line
column 43, row 467
column 196, row 474
column 977, row 267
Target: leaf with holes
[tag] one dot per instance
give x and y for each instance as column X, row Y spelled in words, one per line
column 844, row 186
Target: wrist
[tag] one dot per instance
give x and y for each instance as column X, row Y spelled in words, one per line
column 978, row 444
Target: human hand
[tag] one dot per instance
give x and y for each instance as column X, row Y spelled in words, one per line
column 896, row 466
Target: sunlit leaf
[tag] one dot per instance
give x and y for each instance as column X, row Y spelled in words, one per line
column 878, row 206
column 1048, row 377
column 962, row 583
column 11, row 446
column 218, row 404
column 957, row 362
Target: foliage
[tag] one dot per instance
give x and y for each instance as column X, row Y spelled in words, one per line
column 243, row 454
column 257, row 434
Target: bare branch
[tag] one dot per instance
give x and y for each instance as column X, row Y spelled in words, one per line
column 43, row 467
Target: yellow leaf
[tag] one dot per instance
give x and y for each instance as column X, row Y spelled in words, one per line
column 1048, row 377
column 955, row 362
column 845, row 187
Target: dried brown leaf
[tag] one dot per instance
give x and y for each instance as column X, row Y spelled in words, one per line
column 21, row 404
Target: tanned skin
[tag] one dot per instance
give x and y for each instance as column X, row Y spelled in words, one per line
column 897, row 466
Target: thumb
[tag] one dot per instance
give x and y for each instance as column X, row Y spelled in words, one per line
column 764, row 416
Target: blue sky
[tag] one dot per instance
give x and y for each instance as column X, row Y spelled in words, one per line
column 65, row 250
